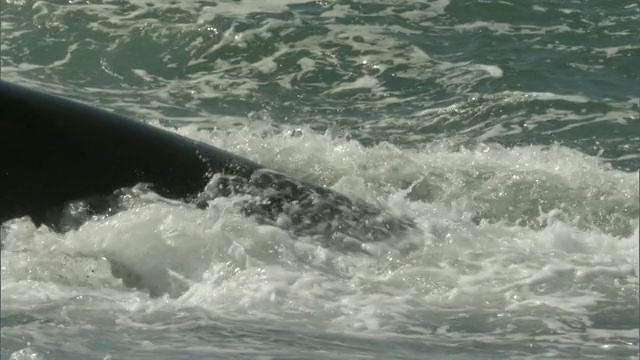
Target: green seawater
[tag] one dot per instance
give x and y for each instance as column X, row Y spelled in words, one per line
column 510, row 130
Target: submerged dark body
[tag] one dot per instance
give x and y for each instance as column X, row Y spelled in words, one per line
column 54, row 151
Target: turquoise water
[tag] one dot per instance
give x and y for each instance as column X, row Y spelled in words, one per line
column 509, row 130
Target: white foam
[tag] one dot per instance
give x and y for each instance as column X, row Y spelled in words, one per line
column 516, row 236
column 222, row 262
column 364, row 82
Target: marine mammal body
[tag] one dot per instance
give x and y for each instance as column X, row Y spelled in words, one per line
column 54, row 151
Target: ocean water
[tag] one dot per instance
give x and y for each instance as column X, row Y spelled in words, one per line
column 509, row 130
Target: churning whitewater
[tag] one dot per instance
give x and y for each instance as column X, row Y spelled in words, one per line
column 507, row 131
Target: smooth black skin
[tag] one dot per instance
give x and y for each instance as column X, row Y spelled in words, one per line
column 54, row 151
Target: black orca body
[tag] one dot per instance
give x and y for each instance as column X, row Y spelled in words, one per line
column 54, row 151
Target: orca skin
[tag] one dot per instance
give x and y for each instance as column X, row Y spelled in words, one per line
column 54, row 151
